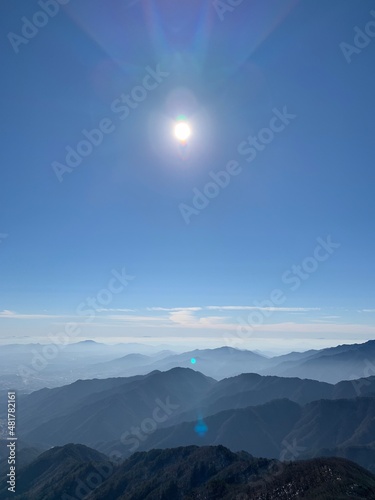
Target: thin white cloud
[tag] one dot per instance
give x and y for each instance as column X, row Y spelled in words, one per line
column 133, row 318
column 186, row 318
column 116, row 310
column 6, row 312
column 13, row 315
column 368, row 310
column 170, row 309
column 257, row 308
column 234, row 308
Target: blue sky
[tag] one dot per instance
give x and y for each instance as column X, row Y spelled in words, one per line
column 62, row 237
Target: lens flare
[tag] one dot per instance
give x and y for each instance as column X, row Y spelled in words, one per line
column 182, row 131
column 201, row 428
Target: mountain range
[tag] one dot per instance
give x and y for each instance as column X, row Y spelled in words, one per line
column 258, row 414
column 164, row 407
column 25, row 368
column 187, row 473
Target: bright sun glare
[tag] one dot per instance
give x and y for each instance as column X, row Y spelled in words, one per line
column 182, row 131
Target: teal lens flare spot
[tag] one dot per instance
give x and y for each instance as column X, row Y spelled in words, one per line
column 201, row 428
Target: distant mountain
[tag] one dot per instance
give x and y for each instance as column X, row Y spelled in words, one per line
column 345, row 362
column 25, row 368
column 95, row 411
column 55, row 472
column 129, row 364
column 253, row 389
column 293, row 356
column 217, row 363
column 258, row 430
column 75, row 413
column 60, row 400
column 280, row 428
column 215, row 473
column 338, row 423
column 87, row 343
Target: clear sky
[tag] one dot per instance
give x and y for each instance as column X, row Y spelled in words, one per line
column 273, row 98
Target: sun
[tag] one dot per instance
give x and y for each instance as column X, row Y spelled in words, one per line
column 182, row 131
